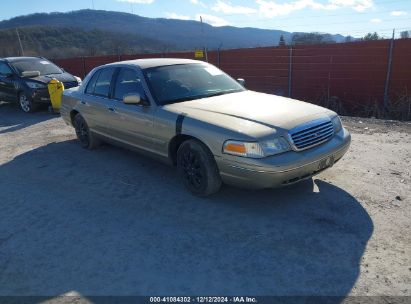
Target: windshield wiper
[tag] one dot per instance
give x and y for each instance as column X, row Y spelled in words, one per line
column 222, row 93
column 181, row 99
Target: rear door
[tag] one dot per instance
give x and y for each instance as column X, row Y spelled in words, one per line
column 96, row 105
column 132, row 124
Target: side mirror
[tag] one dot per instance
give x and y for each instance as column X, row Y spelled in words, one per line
column 134, row 99
column 241, row 81
column 30, row 74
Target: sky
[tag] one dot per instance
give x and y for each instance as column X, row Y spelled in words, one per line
column 346, row 17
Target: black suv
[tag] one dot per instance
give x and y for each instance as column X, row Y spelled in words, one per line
column 25, row 79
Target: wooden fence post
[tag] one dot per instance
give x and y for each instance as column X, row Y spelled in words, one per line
column 84, row 66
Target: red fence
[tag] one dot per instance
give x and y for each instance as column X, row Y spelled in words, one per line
column 349, row 78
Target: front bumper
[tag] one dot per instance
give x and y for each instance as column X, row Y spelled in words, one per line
column 284, row 169
column 40, row 96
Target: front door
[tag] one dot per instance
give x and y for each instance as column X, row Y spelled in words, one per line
column 7, row 90
column 132, row 124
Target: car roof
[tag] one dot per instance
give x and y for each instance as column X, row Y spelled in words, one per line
column 155, row 62
column 12, row 59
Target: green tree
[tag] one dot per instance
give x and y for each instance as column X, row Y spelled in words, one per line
column 349, row 39
column 405, row 34
column 371, row 36
column 312, row 38
column 282, row 41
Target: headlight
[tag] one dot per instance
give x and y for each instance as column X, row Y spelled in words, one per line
column 36, row 85
column 78, row 79
column 256, row 149
column 337, row 124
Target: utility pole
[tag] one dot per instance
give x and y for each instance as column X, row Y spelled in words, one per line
column 92, row 4
column 21, row 45
column 204, row 40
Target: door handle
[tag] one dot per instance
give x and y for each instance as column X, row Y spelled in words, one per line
column 112, row 110
column 83, row 102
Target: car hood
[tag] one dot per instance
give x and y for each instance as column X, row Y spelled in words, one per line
column 269, row 110
column 64, row 77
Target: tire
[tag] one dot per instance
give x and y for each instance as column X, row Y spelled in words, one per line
column 26, row 103
column 197, row 168
column 85, row 137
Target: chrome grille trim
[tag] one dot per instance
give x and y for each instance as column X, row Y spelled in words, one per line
column 311, row 134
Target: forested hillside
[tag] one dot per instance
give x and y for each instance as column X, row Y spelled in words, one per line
column 62, row 42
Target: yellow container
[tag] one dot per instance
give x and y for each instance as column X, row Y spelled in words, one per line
column 56, row 89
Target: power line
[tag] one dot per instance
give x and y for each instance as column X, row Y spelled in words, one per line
column 286, row 17
column 325, row 11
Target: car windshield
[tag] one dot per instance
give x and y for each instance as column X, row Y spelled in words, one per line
column 43, row 66
column 178, row 83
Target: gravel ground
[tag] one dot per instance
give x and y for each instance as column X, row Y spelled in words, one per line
column 112, row 222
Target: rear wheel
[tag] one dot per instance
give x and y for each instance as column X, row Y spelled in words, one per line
column 198, row 169
column 26, row 103
column 87, row 139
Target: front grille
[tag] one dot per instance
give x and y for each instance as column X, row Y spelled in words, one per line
column 70, row 84
column 312, row 135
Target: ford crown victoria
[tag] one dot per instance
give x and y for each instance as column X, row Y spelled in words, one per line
column 192, row 115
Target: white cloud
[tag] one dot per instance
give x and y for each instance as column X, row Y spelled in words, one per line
column 398, row 13
column 177, row 16
column 358, row 5
column 376, row 20
column 137, row 1
column 271, row 8
column 198, row 2
column 227, row 8
column 213, row 20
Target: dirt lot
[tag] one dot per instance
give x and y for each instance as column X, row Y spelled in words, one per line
column 111, row 222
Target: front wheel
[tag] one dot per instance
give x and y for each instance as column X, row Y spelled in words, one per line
column 198, row 169
column 26, row 103
column 86, row 138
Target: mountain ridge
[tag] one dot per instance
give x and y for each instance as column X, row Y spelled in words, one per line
column 173, row 33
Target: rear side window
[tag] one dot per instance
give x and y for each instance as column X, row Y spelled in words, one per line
column 100, row 83
column 92, row 83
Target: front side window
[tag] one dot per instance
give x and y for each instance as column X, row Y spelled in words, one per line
column 43, row 66
column 128, row 82
column 5, row 69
